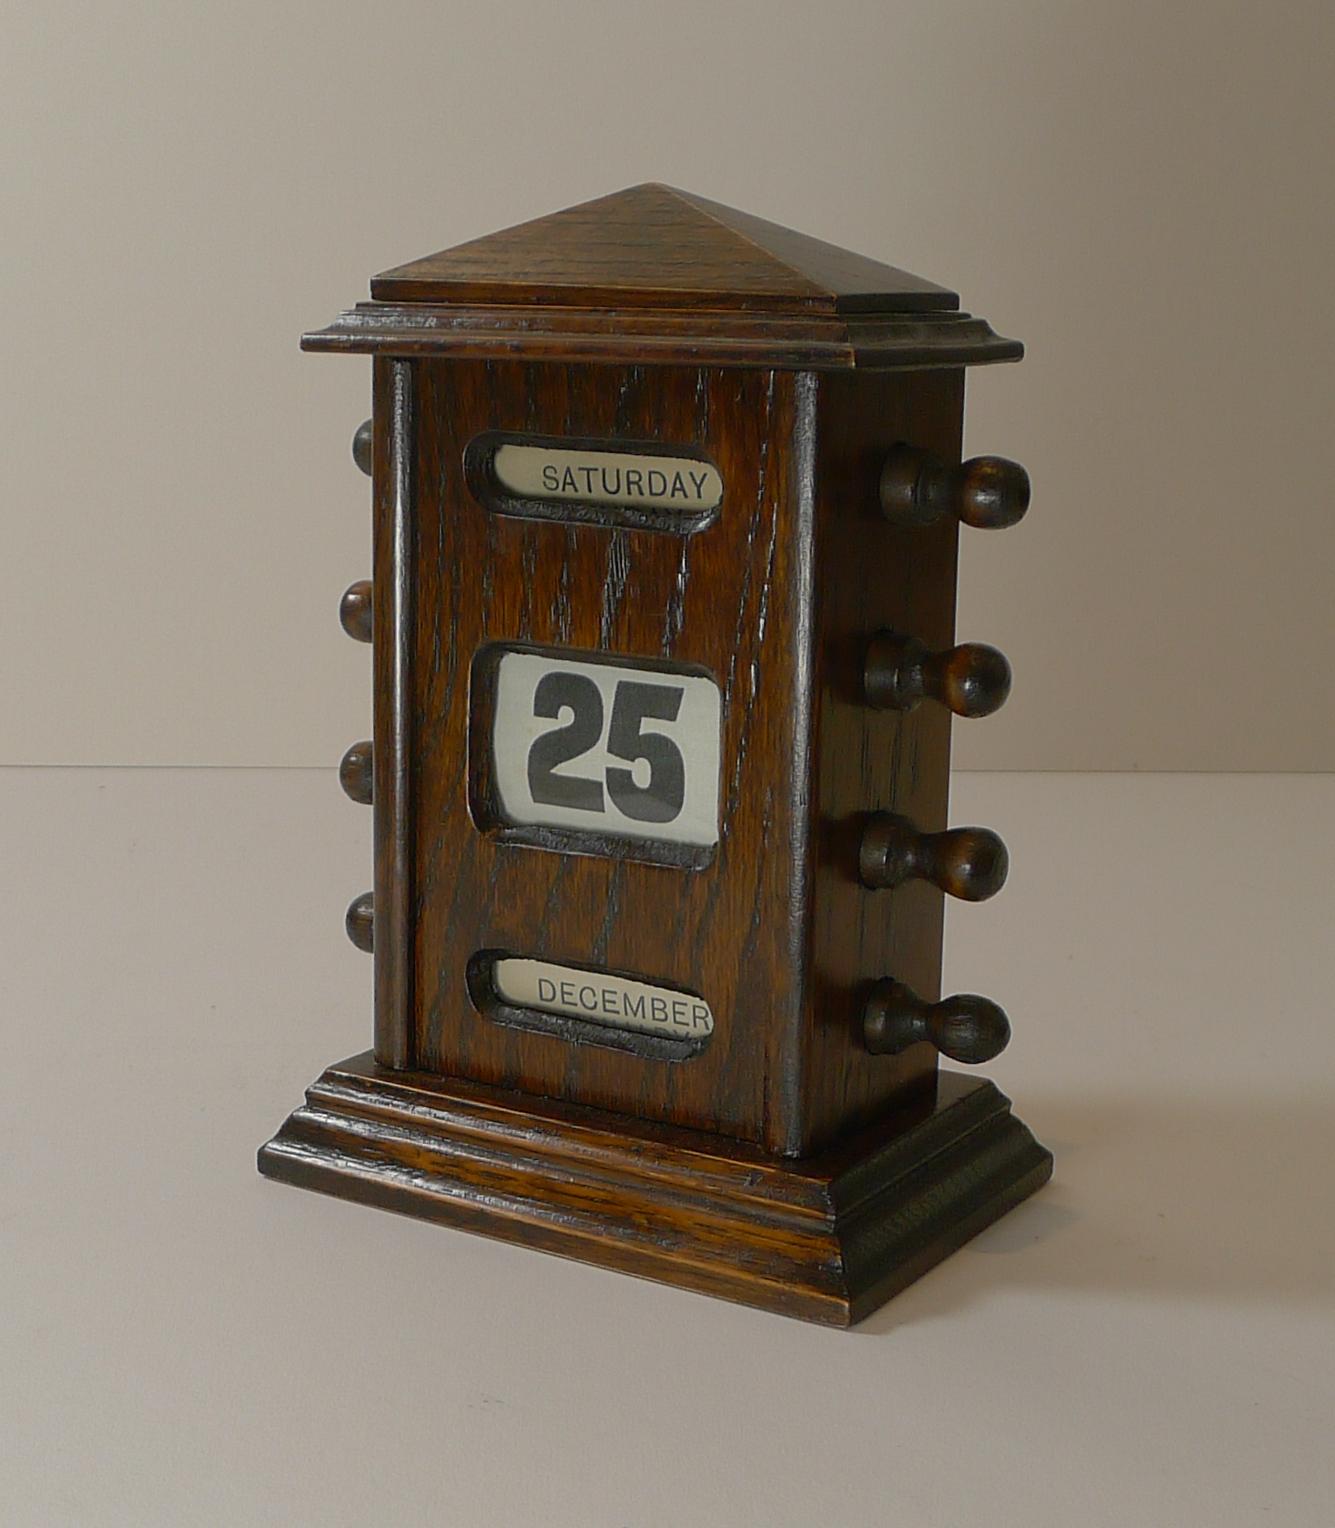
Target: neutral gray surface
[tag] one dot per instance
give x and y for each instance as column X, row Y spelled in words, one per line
column 1148, row 1342
column 1139, row 190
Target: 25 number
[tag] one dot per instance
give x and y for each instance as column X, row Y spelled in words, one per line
column 633, row 703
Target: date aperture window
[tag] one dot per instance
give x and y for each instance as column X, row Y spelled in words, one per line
column 612, row 748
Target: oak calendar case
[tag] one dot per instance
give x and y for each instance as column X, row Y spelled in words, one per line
column 666, row 503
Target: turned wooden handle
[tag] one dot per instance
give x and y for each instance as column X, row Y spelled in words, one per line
column 359, row 920
column 363, row 440
column 355, row 771
column 969, row 863
column 966, row 1027
column 354, row 610
column 970, row 680
column 918, row 488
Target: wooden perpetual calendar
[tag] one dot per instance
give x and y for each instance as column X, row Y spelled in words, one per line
column 666, row 504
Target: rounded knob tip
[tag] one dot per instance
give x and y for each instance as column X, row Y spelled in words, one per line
column 970, row 680
column 975, row 679
column 992, row 492
column 359, row 920
column 355, row 773
column 965, row 1028
column 354, row 610
column 363, row 440
column 968, row 1028
column 968, row 863
column 918, row 488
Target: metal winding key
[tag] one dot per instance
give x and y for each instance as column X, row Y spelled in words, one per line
column 988, row 492
column 965, row 1028
column 972, row 679
column 968, row 863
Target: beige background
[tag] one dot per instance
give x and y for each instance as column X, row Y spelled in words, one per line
column 1142, row 192
column 1145, row 1344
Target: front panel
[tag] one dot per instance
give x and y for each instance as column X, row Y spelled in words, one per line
column 606, row 732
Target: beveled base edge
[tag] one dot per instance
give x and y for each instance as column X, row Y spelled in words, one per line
column 827, row 1238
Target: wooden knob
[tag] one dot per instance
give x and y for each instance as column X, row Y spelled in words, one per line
column 918, row 488
column 354, row 610
column 359, row 920
column 362, row 441
column 970, row 680
column 966, row 1027
column 969, row 863
column 354, row 773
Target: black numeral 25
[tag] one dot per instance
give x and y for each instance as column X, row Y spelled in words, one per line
column 660, row 800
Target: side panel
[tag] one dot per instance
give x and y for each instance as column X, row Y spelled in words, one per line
column 871, row 576
column 393, row 563
column 724, row 600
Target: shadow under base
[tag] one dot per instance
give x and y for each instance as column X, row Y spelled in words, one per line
column 826, row 1238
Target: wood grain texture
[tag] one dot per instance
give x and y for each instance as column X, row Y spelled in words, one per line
column 656, row 276
column 706, row 337
column 970, row 680
column 356, row 610
column 359, row 921
column 827, row 1239
column 776, row 601
column 970, row 864
column 987, row 492
column 965, row 1027
column 806, row 1157
column 728, row 600
column 394, row 595
column 355, row 773
column 871, row 575
column 654, row 246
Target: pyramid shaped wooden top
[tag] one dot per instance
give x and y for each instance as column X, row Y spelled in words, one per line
column 653, row 274
column 654, row 246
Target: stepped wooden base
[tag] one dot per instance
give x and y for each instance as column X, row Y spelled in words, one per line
column 827, row 1239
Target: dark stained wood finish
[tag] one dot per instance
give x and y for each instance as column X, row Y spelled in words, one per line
column 394, row 587
column 654, row 246
column 657, row 276
column 919, row 488
column 359, row 921
column 972, row 679
column 967, row 863
column 708, row 337
column 870, row 575
column 806, row 1158
column 777, row 601
column 355, row 773
column 729, row 599
column 355, row 610
column 363, row 446
column 965, row 1027
column 828, row 1239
